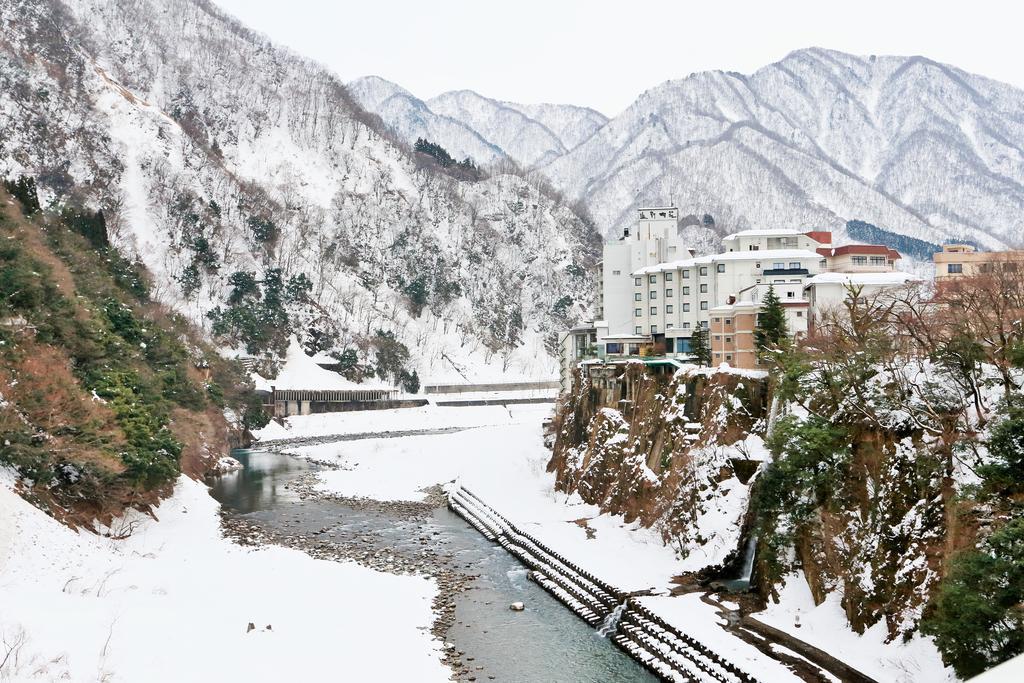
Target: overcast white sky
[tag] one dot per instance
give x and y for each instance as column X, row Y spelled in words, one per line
column 603, row 54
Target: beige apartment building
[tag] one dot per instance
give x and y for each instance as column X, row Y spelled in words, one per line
column 963, row 260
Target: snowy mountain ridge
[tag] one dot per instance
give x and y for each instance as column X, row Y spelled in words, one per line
column 469, row 124
column 817, row 139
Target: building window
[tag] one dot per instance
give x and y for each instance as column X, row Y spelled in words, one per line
column 668, row 293
column 668, row 309
column 703, row 289
column 613, row 347
column 703, row 305
column 669, row 326
column 779, row 265
column 790, row 295
column 878, row 260
column 754, row 247
column 638, row 297
column 668, row 277
column 704, row 324
column 794, row 265
column 654, row 310
column 654, row 329
column 823, row 264
column 860, row 260
column 654, row 294
column 638, row 312
column 686, row 274
column 703, row 271
column 718, row 320
column 799, row 314
column 653, row 279
column 638, row 329
column 686, row 308
column 638, row 281
column 686, row 326
column 728, row 356
column 728, row 340
column 728, row 321
column 686, row 291
column 616, row 272
column 720, row 267
column 954, row 268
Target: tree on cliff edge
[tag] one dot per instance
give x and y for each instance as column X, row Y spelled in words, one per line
column 699, row 346
column 771, row 322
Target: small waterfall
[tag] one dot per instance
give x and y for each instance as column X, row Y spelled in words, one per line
column 748, row 559
column 742, row 582
column 611, row 622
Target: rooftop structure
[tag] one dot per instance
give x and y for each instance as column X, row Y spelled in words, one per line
column 963, row 260
column 303, row 387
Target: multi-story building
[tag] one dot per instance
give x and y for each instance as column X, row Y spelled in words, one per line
column 671, row 299
column 827, row 293
column 860, row 258
column 655, row 293
column 654, row 240
column 962, row 260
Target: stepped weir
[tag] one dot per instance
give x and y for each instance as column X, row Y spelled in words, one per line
column 659, row 647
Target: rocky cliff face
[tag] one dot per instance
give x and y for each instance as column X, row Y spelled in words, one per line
column 675, row 451
column 710, row 458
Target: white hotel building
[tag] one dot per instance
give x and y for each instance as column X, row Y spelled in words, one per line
column 654, row 292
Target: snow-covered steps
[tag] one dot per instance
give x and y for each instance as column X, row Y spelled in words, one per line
column 670, row 654
column 663, row 650
column 589, row 598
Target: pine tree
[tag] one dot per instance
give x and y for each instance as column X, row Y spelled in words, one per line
column 699, row 346
column 771, row 323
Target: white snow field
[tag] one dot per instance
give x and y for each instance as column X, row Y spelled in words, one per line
column 173, row 601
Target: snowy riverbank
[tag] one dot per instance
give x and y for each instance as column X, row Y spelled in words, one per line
column 504, row 463
column 173, row 601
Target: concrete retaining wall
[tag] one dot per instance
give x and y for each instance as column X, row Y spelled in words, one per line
column 498, row 386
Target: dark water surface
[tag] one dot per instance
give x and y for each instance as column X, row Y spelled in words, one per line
column 545, row 643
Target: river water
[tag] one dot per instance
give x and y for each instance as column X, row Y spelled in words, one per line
column 545, row 643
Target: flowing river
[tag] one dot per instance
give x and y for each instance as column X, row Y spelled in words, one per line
column 544, row 643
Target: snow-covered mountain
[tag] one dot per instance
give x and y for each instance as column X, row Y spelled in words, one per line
column 819, row 138
column 532, row 135
column 212, row 152
column 468, row 124
column 411, row 118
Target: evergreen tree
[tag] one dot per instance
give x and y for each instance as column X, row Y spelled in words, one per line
column 976, row 618
column 771, row 322
column 699, row 346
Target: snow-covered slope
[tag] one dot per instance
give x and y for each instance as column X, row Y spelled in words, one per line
column 172, row 600
column 411, row 118
column 213, row 151
column 532, row 135
column 821, row 137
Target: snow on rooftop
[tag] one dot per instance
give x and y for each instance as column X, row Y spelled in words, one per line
column 886, row 278
column 301, row 372
column 765, row 255
column 763, row 233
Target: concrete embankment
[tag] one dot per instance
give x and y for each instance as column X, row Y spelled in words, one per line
column 662, row 649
